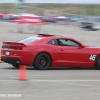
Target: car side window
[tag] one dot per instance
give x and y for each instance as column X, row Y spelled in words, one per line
column 67, row 42
column 72, row 43
column 53, row 42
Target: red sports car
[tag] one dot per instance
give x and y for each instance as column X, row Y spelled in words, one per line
column 44, row 51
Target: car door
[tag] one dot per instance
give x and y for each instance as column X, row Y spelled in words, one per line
column 70, row 53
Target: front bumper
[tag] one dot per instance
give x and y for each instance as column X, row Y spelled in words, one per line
column 11, row 60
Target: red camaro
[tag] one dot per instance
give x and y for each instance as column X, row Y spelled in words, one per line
column 44, row 51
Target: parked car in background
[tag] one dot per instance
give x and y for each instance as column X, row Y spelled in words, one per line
column 74, row 19
column 10, row 16
column 62, row 19
column 28, row 14
column 7, row 17
column 1, row 15
column 90, row 22
column 49, row 19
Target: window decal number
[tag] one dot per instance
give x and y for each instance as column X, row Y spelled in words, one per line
column 92, row 57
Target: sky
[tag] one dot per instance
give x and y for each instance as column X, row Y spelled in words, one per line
column 53, row 1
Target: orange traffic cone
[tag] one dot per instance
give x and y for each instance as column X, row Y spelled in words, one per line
column 22, row 72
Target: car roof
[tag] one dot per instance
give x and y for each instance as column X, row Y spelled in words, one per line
column 49, row 37
column 45, row 37
column 52, row 36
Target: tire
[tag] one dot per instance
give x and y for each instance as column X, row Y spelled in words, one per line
column 94, row 29
column 42, row 61
column 16, row 66
column 98, row 63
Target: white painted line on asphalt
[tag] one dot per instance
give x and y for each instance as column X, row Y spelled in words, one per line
column 36, row 80
column 66, row 80
column 83, row 85
column 56, row 81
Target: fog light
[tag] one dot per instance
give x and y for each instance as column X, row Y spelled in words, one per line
column 7, row 53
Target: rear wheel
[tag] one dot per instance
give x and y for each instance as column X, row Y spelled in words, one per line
column 94, row 29
column 42, row 61
column 16, row 66
column 98, row 62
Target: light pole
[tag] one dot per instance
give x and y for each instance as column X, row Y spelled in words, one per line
column 20, row 6
column 83, row 8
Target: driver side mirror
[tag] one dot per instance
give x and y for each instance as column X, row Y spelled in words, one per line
column 81, row 46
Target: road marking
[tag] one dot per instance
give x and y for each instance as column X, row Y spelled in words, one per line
column 84, row 85
column 56, row 81
column 35, row 80
column 65, row 80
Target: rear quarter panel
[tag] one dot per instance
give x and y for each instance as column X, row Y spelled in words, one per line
column 52, row 50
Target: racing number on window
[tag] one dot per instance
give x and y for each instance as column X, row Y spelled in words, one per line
column 92, row 57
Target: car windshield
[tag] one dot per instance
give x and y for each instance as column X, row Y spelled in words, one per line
column 30, row 39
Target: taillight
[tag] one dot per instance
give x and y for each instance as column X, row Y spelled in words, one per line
column 3, row 46
column 16, row 48
column 13, row 47
column 19, row 47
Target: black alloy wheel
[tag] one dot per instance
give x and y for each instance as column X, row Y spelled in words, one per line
column 98, row 63
column 42, row 61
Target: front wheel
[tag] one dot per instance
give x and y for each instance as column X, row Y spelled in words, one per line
column 98, row 63
column 42, row 61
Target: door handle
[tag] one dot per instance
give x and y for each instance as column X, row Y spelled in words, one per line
column 61, row 49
